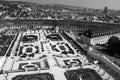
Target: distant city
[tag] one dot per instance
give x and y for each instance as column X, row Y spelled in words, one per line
column 20, row 10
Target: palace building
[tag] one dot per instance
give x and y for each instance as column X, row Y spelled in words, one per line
column 64, row 25
column 100, row 35
column 98, row 32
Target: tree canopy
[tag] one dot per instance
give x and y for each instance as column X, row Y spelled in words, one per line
column 114, row 44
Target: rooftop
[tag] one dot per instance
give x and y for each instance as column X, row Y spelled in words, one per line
column 97, row 32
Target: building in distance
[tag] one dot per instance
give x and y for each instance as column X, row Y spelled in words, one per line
column 105, row 10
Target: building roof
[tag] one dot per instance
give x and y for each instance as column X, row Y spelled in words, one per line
column 97, row 32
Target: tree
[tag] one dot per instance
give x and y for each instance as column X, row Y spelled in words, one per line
column 114, row 44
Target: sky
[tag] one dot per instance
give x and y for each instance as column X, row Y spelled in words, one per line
column 98, row 4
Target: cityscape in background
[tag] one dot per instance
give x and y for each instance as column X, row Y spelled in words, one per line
column 58, row 42
column 19, row 10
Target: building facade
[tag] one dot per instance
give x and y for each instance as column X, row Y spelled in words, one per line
column 61, row 25
column 64, row 25
column 100, row 35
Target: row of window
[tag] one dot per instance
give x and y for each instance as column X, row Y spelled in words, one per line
column 78, row 27
column 102, row 37
column 84, row 29
column 27, row 23
column 99, row 42
column 106, row 33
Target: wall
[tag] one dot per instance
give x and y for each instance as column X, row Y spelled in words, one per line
column 106, row 61
column 115, row 60
column 117, row 34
